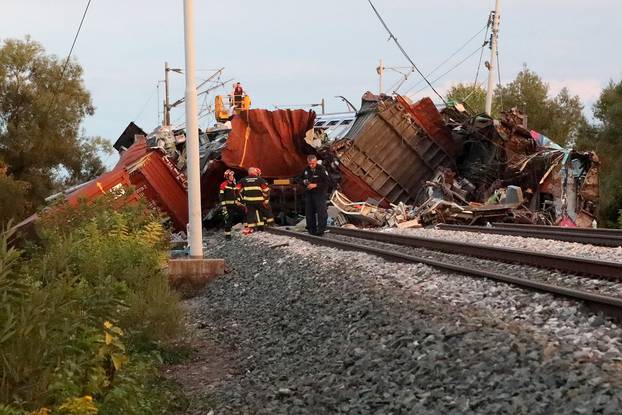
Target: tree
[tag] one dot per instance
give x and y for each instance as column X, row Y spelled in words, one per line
column 559, row 118
column 42, row 104
column 474, row 96
column 605, row 137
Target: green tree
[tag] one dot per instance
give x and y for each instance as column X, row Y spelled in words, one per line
column 42, row 104
column 605, row 137
column 559, row 117
column 474, row 96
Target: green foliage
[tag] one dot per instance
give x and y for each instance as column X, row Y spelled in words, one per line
column 605, row 138
column 84, row 313
column 559, row 117
column 473, row 96
column 41, row 109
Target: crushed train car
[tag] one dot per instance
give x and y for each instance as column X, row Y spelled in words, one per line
column 394, row 163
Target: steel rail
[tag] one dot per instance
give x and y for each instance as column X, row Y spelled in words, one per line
column 549, row 233
column 574, row 265
column 610, row 305
column 592, row 231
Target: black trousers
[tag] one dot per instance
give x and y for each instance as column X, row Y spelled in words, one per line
column 315, row 211
column 231, row 214
column 258, row 215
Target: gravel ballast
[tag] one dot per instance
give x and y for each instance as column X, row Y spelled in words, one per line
column 315, row 330
column 518, row 242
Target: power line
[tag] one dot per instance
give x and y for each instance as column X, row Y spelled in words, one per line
column 391, row 36
column 481, row 55
column 73, row 44
column 451, row 69
column 140, row 113
column 450, row 56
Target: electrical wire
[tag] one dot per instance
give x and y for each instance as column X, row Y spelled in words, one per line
column 499, row 76
column 73, row 44
column 450, row 70
column 391, row 36
column 479, row 65
column 140, row 113
column 437, row 67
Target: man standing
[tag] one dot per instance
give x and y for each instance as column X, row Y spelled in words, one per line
column 230, row 201
column 317, row 182
column 255, row 194
column 238, row 95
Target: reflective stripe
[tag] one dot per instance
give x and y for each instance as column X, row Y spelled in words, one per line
column 253, row 199
column 251, row 188
column 251, row 225
column 227, row 232
column 270, row 220
column 227, row 202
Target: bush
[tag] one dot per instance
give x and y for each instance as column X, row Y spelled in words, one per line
column 84, row 311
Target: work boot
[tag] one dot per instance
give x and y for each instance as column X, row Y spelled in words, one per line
column 228, row 237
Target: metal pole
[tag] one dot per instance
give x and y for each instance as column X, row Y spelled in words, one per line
column 323, row 107
column 493, row 58
column 167, row 108
column 195, row 238
column 381, row 74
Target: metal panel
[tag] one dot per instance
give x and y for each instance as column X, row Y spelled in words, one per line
column 391, row 152
column 163, row 184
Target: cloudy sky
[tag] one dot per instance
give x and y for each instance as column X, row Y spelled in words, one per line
column 289, row 52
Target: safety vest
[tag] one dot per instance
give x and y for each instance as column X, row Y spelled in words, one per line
column 228, row 193
column 253, row 189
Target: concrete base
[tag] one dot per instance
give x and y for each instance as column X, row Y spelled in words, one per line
column 190, row 273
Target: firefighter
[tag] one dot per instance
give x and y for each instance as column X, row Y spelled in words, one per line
column 255, row 194
column 317, row 182
column 266, row 210
column 230, row 201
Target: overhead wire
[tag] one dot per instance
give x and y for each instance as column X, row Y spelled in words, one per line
column 391, row 36
column 147, row 102
column 450, row 70
column 73, row 44
column 437, row 67
column 479, row 65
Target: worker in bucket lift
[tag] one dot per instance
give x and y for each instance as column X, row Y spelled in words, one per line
column 255, row 194
column 238, row 95
column 230, row 201
column 317, row 182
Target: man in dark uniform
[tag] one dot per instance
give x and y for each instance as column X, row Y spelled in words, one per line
column 255, row 194
column 316, row 180
column 230, row 201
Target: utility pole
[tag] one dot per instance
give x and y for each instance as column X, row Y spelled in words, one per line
column 322, row 104
column 380, row 71
column 195, row 237
column 493, row 57
column 167, row 107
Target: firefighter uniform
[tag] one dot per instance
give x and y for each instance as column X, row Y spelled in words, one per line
column 229, row 200
column 254, row 192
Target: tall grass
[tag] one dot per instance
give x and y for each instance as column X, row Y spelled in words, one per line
column 83, row 312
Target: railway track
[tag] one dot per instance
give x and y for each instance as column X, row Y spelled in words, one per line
column 601, row 237
column 390, row 247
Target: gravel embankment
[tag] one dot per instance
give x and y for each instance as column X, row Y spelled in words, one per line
column 315, row 330
column 518, row 242
column 579, row 282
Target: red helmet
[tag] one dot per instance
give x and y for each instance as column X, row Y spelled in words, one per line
column 228, row 173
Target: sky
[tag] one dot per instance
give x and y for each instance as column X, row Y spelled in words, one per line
column 289, row 52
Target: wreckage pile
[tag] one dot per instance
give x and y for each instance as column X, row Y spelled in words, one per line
column 427, row 167
column 397, row 164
